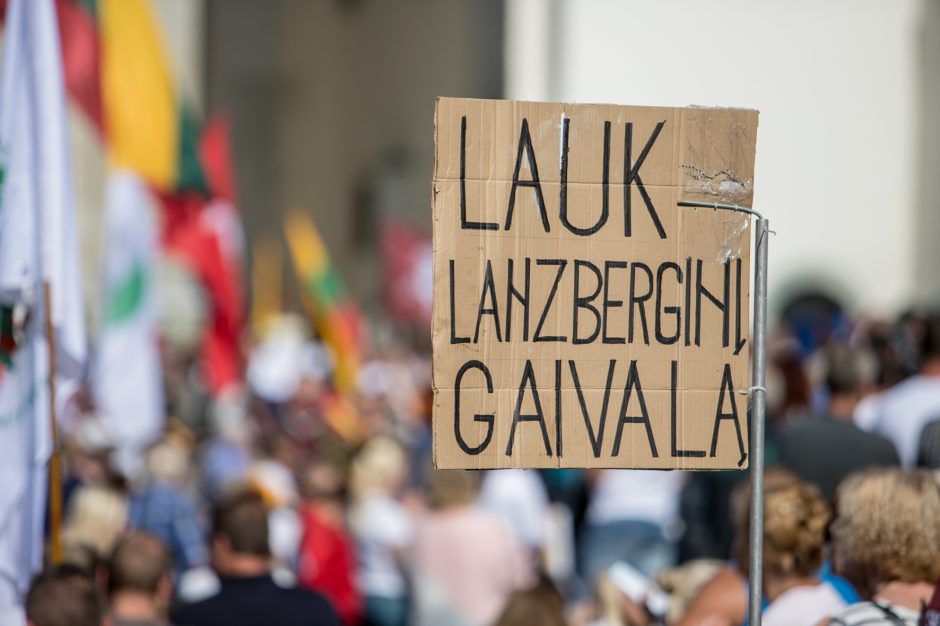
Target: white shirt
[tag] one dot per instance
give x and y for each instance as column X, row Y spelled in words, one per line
column 803, row 606
column 869, row 614
column 867, row 411
column 519, row 497
column 636, row 495
column 381, row 527
column 905, row 410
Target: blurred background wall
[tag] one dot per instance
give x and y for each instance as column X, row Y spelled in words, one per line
column 848, row 96
column 331, row 106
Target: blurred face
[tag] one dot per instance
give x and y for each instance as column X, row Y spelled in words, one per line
column 324, row 481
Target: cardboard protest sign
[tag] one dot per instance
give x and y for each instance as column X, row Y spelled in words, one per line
column 581, row 317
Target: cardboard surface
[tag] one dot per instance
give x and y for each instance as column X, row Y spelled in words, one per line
column 581, row 318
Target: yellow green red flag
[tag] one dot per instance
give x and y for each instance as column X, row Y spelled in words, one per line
column 140, row 113
column 335, row 316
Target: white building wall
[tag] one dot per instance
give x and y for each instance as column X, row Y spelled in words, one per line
column 836, row 83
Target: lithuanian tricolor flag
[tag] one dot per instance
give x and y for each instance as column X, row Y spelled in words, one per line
column 334, row 315
column 140, row 112
column 117, row 72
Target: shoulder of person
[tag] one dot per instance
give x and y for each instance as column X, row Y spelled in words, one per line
column 868, row 613
column 312, row 599
column 191, row 614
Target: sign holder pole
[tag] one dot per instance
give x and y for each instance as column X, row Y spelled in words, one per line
column 757, row 393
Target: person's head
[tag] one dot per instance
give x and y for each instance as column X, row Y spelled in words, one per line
column 63, row 596
column 321, row 481
column 887, row 528
column 843, row 370
column 740, row 510
column 167, row 462
column 140, row 564
column 449, row 489
column 381, row 466
column 240, row 534
column 795, row 518
column 95, row 518
column 541, row 604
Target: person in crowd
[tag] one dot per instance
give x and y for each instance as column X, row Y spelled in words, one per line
column 632, row 516
column 683, row 582
column 886, row 541
column 795, row 519
column 138, row 581
column 275, row 481
column 242, row 558
column 794, row 387
column 467, row 561
column 723, row 598
column 87, row 451
column 95, row 518
column 520, row 498
column 163, row 508
column 930, row 616
column 912, row 404
column 63, row 596
column 807, row 447
column 794, row 528
column 327, row 561
column 540, row 604
column 383, row 531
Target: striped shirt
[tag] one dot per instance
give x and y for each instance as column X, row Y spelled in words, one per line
column 875, row 614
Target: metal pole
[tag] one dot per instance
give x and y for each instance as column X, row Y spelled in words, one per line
column 758, row 394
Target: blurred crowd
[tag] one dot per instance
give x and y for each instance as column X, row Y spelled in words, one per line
column 285, row 504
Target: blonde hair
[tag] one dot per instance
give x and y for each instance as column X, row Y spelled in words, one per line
column 739, row 506
column 96, row 517
column 795, row 518
column 381, row 465
column 888, row 528
column 166, row 461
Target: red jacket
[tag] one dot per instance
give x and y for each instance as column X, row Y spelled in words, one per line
column 327, row 564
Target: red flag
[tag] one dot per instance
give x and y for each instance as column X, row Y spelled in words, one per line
column 80, row 58
column 215, row 156
column 407, row 287
column 206, row 237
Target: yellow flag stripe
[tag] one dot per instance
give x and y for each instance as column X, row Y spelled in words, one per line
column 139, row 105
column 306, row 246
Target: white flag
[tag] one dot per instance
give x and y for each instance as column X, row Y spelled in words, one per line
column 126, row 375
column 37, row 245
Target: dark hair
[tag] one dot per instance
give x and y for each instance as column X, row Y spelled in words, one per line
column 138, row 562
column 63, row 596
column 242, row 519
column 930, row 345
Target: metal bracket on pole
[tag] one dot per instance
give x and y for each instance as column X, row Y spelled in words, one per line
column 758, row 394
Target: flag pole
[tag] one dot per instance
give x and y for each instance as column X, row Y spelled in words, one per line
column 55, row 475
